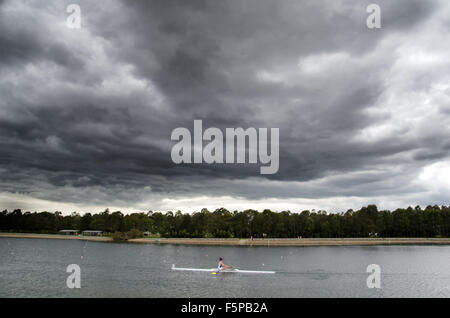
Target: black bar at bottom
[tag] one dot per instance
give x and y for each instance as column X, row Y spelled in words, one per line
column 213, row 307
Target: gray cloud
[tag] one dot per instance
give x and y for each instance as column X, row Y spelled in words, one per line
column 94, row 108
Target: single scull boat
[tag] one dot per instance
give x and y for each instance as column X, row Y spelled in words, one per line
column 234, row 270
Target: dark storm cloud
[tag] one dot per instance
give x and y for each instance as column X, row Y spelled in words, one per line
column 209, row 53
column 23, row 44
column 97, row 107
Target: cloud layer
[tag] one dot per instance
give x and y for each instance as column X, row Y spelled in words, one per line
column 86, row 114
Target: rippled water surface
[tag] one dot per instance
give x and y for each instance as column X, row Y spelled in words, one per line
column 37, row 268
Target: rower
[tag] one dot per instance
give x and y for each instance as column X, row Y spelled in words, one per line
column 222, row 266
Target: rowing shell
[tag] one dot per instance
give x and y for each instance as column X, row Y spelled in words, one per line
column 235, row 270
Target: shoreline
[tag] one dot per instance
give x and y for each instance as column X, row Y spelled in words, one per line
column 247, row 242
column 55, row 236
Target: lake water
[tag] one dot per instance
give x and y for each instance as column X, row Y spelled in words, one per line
column 37, row 268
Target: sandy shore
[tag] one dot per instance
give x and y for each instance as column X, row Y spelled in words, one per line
column 248, row 242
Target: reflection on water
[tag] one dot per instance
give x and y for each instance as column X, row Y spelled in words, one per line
column 37, row 268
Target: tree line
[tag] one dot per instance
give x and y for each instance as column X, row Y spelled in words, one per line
column 433, row 221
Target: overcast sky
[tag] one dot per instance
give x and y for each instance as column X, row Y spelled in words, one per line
column 86, row 114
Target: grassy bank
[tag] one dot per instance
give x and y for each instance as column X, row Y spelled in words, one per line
column 248, row 242
column 300, row 242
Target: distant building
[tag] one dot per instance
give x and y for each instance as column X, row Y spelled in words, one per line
column 69, row 232
column 147, row 233
column 92, row 233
